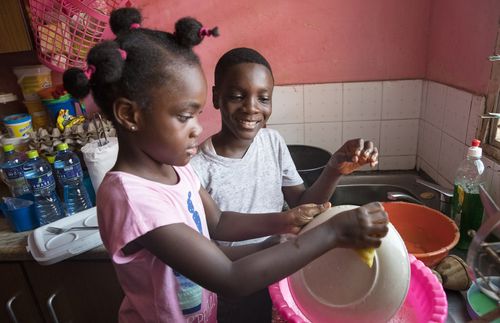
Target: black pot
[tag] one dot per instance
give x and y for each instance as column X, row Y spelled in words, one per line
column 309, row 161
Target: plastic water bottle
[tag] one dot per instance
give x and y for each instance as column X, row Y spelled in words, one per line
column 467, row 209
column 38, row 174
column 70, row 175
column 12, row 171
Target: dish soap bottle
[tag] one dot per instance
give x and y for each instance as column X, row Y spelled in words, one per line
column 467, row 209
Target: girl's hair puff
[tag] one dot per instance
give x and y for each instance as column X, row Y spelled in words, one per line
column 150, row 55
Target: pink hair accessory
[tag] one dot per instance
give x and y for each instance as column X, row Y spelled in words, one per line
column 204, row 32
column 135, row 26
column 89, row 71
column 123, row 53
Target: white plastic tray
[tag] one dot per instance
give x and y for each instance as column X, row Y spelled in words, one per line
column 49, row 248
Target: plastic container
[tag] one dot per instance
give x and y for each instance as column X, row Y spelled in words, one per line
column 21, row 144
column 425, row 301
column 20, row 214
column 309, row 161
column 70, row 176
column 32, row 79
column 12, row 171
column 39, row 115
column 466, row 207
column 18, row 125
column 65, row 102
column 38, row 174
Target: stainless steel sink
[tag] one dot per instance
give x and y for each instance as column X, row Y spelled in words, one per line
column 359, row 194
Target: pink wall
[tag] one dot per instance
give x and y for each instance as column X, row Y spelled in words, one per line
column 309, row 41
column 335, row 40
column 463, row 35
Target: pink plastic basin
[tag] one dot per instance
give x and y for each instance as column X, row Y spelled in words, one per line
column 425, row 302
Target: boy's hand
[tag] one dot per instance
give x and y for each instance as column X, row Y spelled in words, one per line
column 301, row 215
column 352, row 155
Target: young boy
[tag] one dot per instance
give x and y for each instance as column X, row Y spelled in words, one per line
column 247, row 168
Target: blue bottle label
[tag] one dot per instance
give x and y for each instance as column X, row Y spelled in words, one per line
column 13, row 172
column 69, row 172
column 41, row 182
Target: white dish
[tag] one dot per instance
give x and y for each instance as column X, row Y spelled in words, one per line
column 339, row 287
column 48, row 248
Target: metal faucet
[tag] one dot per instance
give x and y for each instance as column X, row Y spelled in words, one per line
column 398, row 196
column 445, row 195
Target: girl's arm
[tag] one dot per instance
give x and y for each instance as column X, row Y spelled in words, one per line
column 233, row 226
column 199, row 259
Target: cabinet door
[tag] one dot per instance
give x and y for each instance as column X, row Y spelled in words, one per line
column 76, row 291
column 17, row 304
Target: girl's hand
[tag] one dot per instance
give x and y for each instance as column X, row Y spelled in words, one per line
column 301, row 215
column 362, row 227
column 352, row 155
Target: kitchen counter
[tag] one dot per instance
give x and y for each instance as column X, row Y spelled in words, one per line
column 13, row 246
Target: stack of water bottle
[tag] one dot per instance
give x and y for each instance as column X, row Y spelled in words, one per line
column 36, row 179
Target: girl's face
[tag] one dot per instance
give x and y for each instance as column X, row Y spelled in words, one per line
column 170, row 129
column 244, row 99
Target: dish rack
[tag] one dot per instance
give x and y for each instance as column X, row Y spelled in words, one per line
column 65, row 30
column 483, row 256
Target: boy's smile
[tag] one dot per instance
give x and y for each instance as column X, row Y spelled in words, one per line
column 244, row 99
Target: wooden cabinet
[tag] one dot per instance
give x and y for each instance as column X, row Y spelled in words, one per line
column 14, row 32
column 70, row 291
column 17, row 303
column 76, row 291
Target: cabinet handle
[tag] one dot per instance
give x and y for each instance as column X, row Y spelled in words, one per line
column 10, row 310
column 50, row 306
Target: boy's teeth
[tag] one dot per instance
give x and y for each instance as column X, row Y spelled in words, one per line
column 248, row 124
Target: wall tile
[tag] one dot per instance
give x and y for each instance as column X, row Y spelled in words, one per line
column 398, row 137
column 288, row 105
column 323, row 102
column 362, row 101
column 367, row 130
column 489, row 171
column 396, row 162
column 477, row 109
column 292, row 133
column 326, row 135
column 431, row 144
column 456, row 113
column 434, row 109
column 423, row 98
column 452, row 154
column 495, row 185
column 428, row 169
column 401, row 99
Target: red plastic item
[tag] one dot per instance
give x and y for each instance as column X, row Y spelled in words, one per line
column 476, row 142
column 65, row 30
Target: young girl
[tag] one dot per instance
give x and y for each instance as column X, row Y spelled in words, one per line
column 248, row 168
column 155, row 219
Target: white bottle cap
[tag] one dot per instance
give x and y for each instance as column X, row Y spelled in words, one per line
column 475, row 150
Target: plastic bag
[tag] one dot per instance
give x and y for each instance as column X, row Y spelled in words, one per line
column 100, row 159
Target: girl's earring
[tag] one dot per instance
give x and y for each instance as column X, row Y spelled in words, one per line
column 133, row 128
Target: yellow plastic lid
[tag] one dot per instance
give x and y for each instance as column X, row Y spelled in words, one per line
column 8, row 147
column 50, row 158
column 62, row 146
column 32, row 154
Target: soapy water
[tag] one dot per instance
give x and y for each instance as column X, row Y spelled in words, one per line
column 406, row 314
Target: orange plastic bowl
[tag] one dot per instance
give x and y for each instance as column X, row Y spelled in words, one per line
column 428, row 234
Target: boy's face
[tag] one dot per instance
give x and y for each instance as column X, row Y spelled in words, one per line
column 244, row 99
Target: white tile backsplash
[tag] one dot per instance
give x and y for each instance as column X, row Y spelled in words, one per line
column 451, row 155
column 326, row 135
column 292, row 133
column 401, row 99
column 414, row 123
column 434, row 109
column 398, row 137
column 367, row 130
column 323, row 102
column 288, row 105
column 456, row 113
column 396, row 162
column 362, row 101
